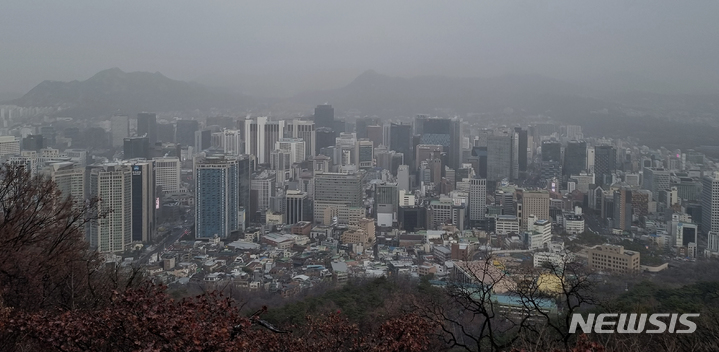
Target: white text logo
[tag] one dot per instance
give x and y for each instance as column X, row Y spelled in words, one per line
column 624, row 323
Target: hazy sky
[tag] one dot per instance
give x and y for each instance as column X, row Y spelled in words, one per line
column 324, row 44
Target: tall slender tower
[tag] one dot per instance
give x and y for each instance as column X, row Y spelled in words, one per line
column 147, row 125
column 217, row 192
column 113, row 184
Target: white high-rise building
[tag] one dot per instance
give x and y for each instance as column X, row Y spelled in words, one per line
column 70, row 180
column 403, row 177
column 477, row 199
column 260, row 137
column 9, row 145
column 294, row 146
column 119, row 129
column 167, row 174
column 113, row 184
column 231, row 142
column 710, row 203
column 264, row 184
column 304, row 130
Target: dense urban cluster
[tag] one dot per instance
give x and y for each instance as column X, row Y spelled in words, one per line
column 282, row 206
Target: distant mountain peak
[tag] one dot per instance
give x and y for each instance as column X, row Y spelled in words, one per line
column 114, row 90
column 110, row 73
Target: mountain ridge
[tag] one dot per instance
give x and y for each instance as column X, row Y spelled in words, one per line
column 115, row 91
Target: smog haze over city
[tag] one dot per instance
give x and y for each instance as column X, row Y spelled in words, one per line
column 359, row 176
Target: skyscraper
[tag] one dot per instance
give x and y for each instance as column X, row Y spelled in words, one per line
column 9, row 145
column 325, row 116
column 710, row 203
column 70, row 180
column 217, row 191
column 477, row 200
column 534, row 203
column 401, row 141
column 33, row 142
column 386, row 203
column 244, row 171
column 294, row 146
column 297, row 207
column 623, row 209
column 325, row 138
column 444, row 132
column 605, row 158
column 120, row 129
column 147, row 125
column 185, row 132
column 304, row 130
column 144, row 202
column 403, row 177
column 499, row 157
column 260, row 137
column 113, row 184
column 656, row 180
column 575, row 158
column 203, row 140
column 364, row 151
column 167, row 174
column 136, row 148
column 522, row 152
column 336, row 189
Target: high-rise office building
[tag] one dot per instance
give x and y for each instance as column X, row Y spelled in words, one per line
column 216, row 201
column 444, row 132
column 261, row 136
column 281, row 163
column 575, row 158
column 33, row 142
column 203, row 140
column 325, row 138
column 656, row 180
column 477, row 199
column 710, row 203
column 261, row 191
column 386, row 203
column 120, row 129
column 70, row 180
column 304, row 130
column 336, row 189
column 551, row 151
column 499, row 157
column 325, row 116
column 623, row 209
column 605, row 159
column 144, row 202
column 364, row 150
column 136, row 148
column 244, row 171
column 166, row 132
column 401, row 141
column 147, row 126
column 185, row 132
column 113, row 184
column 403, row 178
column 522, row 149
column 9, row 145
column 167, row 174
column 294, row 146
column 297, row 207
column 230, row 141
column 362, row 124
column 375, row 134
column 533, row 203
